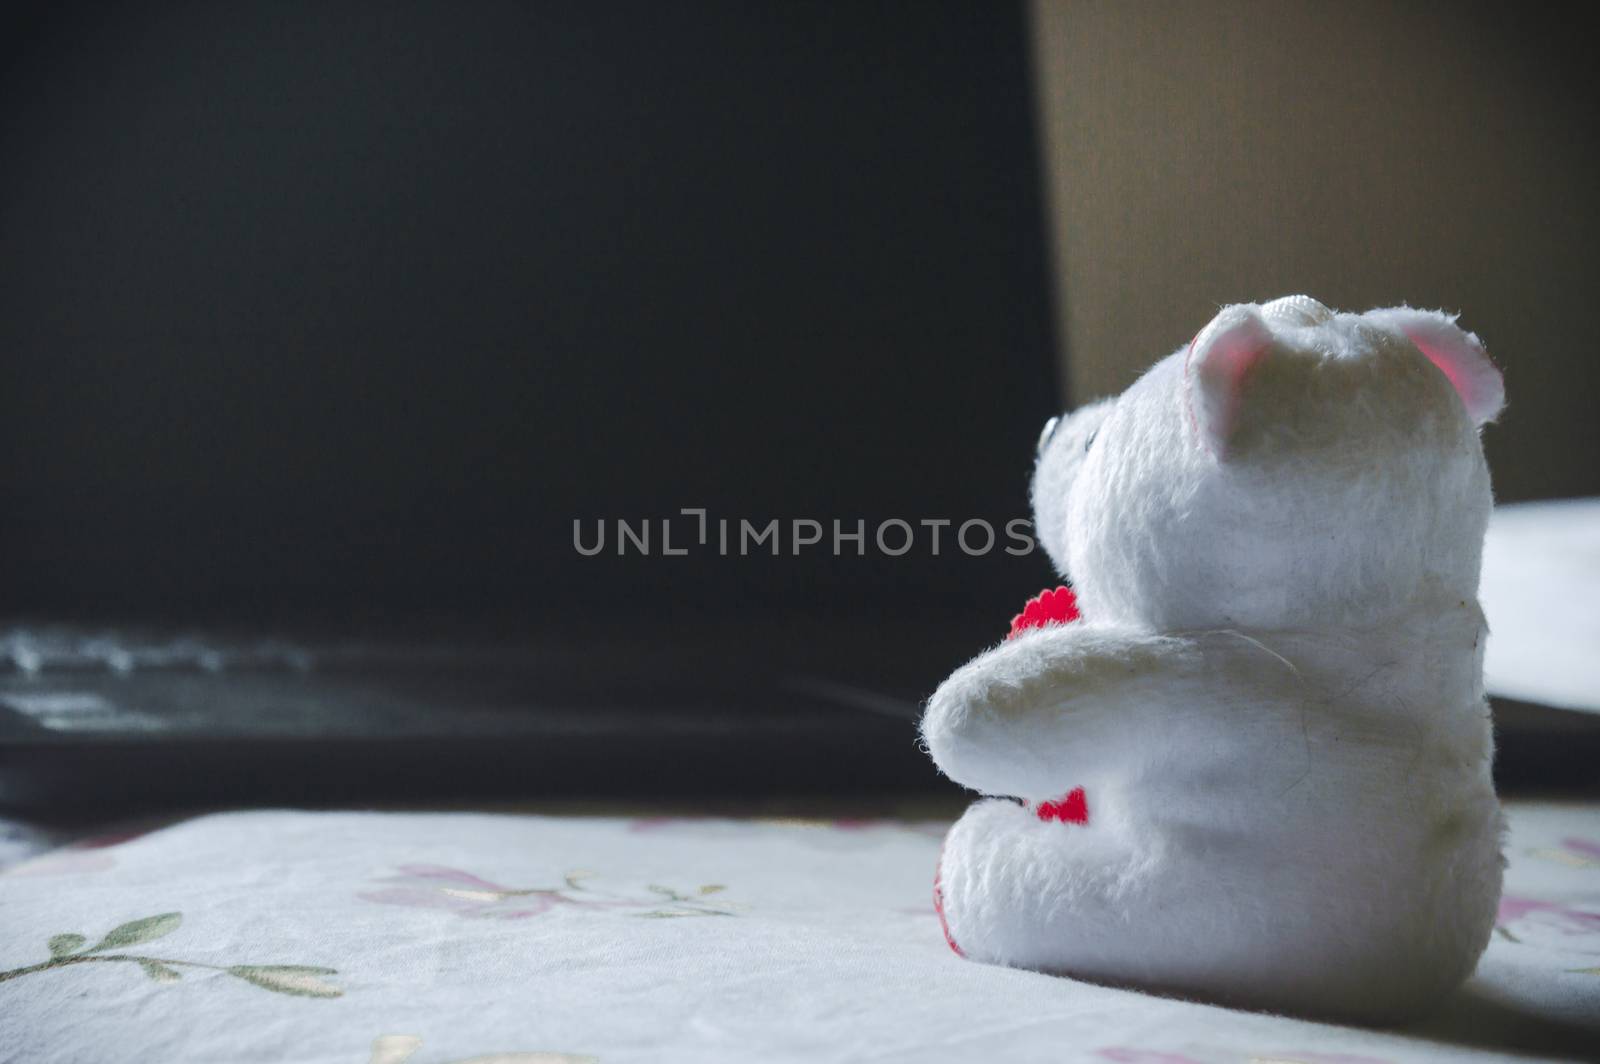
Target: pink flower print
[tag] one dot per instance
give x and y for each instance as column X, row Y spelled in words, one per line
column 1571, row 921
column 79, row 857
column 64, row 862
column 1573, row 852
column 1584, row 846
column 438, row 887
column 426, row 886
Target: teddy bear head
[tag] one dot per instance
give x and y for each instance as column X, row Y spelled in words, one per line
column 1290, row 466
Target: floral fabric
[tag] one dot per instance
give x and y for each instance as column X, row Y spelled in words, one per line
column 351, row 938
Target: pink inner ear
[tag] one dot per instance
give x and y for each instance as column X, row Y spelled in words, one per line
column 1480, row 394
column 1214, row 369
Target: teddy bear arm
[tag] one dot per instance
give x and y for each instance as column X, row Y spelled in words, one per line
column 1037, row 713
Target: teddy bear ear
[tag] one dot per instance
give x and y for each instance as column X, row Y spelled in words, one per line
column 1458, row 354
column 1219, row 360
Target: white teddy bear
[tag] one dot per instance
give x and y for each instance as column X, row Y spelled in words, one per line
column 1257, row 770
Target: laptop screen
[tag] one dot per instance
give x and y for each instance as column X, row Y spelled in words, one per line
column 341, row 309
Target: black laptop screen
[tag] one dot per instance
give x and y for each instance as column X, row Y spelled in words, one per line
column 363, row 307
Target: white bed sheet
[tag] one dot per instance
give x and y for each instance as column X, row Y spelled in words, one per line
column 348, row 938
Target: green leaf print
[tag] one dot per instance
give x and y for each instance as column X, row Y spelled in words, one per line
column 62, row 945
column 297, row 979
column 66, row 950
column 136, row 932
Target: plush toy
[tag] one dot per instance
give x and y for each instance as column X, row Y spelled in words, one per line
column 1246, row 759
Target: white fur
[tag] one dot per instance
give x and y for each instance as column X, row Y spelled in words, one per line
column 1274, row 700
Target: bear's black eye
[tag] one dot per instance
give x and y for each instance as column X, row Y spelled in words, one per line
column 1088, row 443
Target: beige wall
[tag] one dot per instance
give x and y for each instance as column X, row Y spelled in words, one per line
column 1368, row 154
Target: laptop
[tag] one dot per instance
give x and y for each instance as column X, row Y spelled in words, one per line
column 512, row 402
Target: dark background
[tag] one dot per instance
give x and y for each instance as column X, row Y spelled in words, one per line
column 355, row 308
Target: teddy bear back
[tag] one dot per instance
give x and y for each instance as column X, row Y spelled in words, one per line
column 1292, row 467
